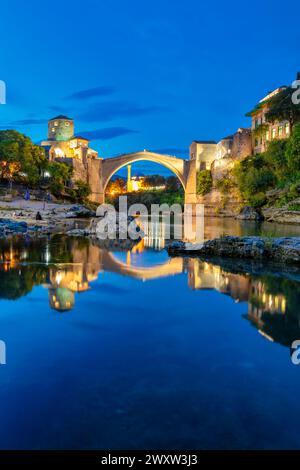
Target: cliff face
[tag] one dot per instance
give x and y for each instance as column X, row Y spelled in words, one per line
column 224, row 199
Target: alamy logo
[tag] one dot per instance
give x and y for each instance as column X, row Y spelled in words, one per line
column 296, row 94
column 295, row 352
column 2, row 352
column 2, row 92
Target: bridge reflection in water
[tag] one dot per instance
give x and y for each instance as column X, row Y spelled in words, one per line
column 69, row 266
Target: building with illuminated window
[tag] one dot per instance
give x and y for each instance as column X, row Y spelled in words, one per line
column 263, row 131
column 63, row 143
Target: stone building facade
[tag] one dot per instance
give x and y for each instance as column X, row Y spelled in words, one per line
column 62, row 143
column 262, row 131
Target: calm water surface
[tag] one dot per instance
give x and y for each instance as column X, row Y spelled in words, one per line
column 131, row 349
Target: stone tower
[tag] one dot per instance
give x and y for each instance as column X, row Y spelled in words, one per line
column 60, row 128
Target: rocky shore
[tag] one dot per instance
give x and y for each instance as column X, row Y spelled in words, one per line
column 54, row 219
column 76, row 221
column 284, row 250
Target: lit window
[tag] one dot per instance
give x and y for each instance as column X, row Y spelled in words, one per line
column 67, row 123
column 267, row 135
column 273, row 132
column 280, row 130
column 287, row 128
column 56, row 123
column 53, row 129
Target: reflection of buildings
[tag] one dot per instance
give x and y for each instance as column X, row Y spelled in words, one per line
column 260, row 301
column 67, row 279
column 61, row 299
column 21, row 268
column 202, row 275
column 265, row 308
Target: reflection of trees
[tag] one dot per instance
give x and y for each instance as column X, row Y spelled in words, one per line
column 17, row 282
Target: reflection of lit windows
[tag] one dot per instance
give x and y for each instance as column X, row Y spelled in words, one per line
column 273, row 132
column 280, row 130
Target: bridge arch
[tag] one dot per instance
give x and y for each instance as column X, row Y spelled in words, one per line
column 171, row 267
column 111, row 165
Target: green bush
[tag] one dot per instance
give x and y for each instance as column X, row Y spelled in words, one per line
column 82, row 191
column 294, row 207
column 204, row 182
column 224, row 185
column 258, row 200
column 277, row 168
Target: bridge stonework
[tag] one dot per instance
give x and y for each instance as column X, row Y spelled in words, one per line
column 98, row 172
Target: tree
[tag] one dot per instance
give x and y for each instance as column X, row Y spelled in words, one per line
column 118, row 186
column 293, row 151
column 282, row 108
column 60, row 175
column 173, row 184
column 20, row 158
column 82, row 191
column 275, row 158
column 153, row 181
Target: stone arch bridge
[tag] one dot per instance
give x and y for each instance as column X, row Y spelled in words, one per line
column 98, row 172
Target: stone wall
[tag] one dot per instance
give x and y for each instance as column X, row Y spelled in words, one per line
column 241, row 144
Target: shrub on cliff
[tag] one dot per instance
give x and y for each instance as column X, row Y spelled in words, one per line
column 204, row 182
column 81, row 191
column 254, row 176
column 277, row 168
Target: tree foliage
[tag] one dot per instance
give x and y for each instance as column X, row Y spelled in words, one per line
column 281, row 107
column 118, row 186
column 204, row 182
column 277, row 168
column 20, row 157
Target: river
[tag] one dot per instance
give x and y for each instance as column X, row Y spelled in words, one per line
column 130, row 349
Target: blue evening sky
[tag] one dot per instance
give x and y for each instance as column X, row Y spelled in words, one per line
column 143, row 75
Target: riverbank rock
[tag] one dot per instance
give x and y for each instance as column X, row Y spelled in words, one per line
column 283, row 250
column 79, row 212
column 8, row 227
column 111, row 226
column 250, row 213
column 281, row 215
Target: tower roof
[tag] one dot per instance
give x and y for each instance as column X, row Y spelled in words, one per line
column 61, row 116
column 205, row 141
column 80, row 137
